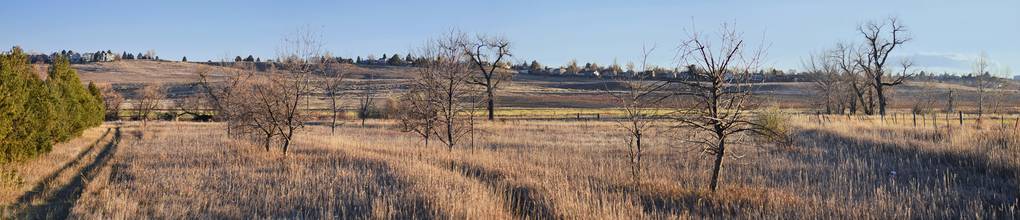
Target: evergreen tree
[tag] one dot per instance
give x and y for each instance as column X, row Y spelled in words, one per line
column 97, row 109
column 24, row 109
column 395, row 60
column 535, row 67
column 74, row 106
column 184, row 59
column 13, row 97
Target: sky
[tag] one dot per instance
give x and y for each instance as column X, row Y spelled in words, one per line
column 947, row 35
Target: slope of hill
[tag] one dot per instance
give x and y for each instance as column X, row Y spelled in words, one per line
column 526, row 90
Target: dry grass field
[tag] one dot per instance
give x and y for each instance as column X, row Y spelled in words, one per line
column 526, row 169
column 549, row 157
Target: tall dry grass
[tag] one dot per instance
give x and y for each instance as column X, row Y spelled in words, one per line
column 21, row 177
column 563, row 170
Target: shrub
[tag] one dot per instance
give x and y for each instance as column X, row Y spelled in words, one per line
column 776, row 127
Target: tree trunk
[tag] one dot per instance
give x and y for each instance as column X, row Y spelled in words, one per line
column 332, row 127
column 286, row 141
column 718, row 165
column 449, row 135
column 267, row 142
column 881, row 97
column 637, row 161
column 491, row 104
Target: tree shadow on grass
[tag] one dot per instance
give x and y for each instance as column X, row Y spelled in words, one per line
column 904, row 170
column 57, row 203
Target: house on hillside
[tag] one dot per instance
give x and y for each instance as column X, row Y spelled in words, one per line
column 88, row 57
column 107, row 57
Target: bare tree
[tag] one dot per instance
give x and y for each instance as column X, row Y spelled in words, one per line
column 443, row 80
column 721, row 92
column 112, row 101
column 638, row 99
column 859, row 87
column 366, row 99
column 983, row 80
column 824, row 73
column 190, row 105
column 149, row 97
column 417, row 110
column 486, row 53
column 880, row 40
column 266, row 105
column 332, row 86
column 220, row 85
column 290, row 83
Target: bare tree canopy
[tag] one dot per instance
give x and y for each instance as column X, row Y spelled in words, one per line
column 860, row 92
column 486, row 53
column 720, row 92
column 823, row 70
column 439, row 103
column 881, row 38
column 334, row 76
column 266, row 105
column 149, row 97
column 639, row 98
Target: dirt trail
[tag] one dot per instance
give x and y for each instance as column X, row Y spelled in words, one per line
column 49, row 200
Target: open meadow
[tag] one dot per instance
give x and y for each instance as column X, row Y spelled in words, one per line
column 575, row 169
column 865, row 109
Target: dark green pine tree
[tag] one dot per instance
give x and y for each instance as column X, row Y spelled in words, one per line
column 74, row 105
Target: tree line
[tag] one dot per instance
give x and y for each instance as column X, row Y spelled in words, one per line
column 36, row 112
column 710, row 110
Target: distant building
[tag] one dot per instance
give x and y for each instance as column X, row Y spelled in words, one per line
column 87, row 57
column 107, row 57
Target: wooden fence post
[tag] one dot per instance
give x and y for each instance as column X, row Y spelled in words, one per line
column 961, row 118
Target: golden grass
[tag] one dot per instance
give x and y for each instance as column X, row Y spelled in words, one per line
column 837, row 168
column 32, row 172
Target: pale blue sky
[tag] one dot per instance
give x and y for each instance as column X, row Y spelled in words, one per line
column 946, row 33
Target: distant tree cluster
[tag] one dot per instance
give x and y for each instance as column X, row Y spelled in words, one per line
column 858, row 76
column 36, row 113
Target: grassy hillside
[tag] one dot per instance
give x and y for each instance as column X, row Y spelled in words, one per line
column 531, row 91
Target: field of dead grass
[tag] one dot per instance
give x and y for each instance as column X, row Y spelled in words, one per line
column 837, row 168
